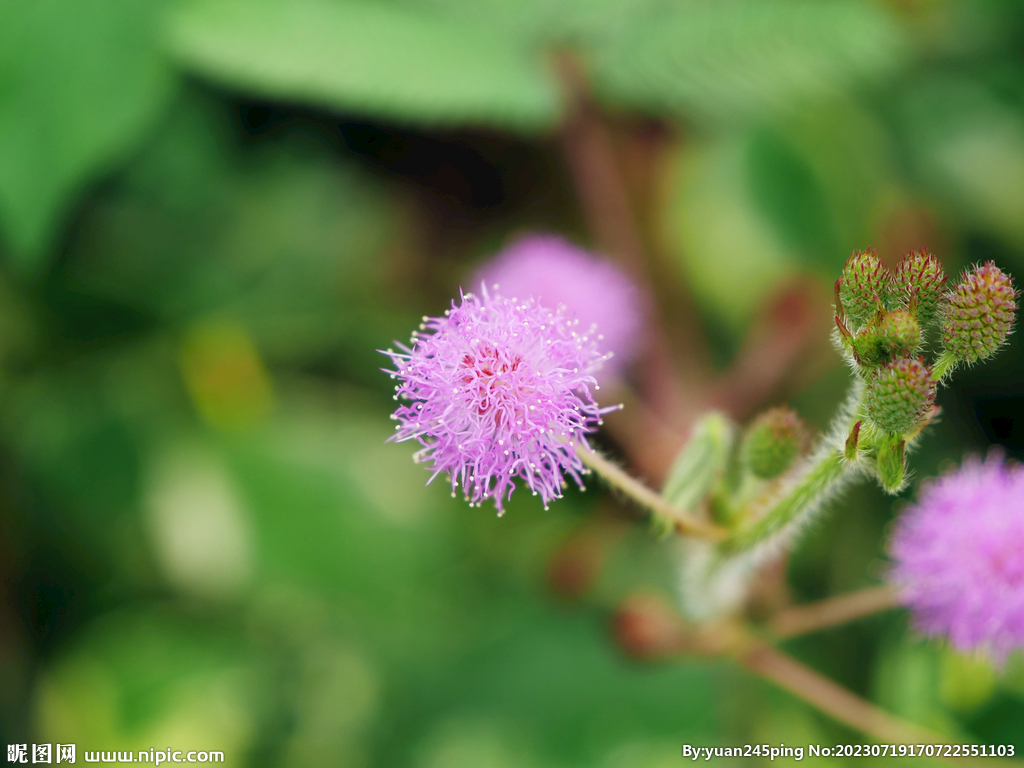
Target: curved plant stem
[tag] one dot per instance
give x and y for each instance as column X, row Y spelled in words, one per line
column 647, row 628
column 801, row 619
column 670, row 516
column 834, row 700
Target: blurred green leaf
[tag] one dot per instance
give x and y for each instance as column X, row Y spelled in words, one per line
column 845, row 157
column 823, row 176
column 136, row 678
column 727, row 249
column 474, row 741
column 339, row 695
column 967, row 147
column 786, row 190
column 383, row 60
column 80, row 84
column 999, row 722
column 716, row 60
column 582, row 24
column 967, row 682
column 339, row 515
column 284, row 240
column 537, row 668
column 66, row 437
column 198, row 529
column 907, row 680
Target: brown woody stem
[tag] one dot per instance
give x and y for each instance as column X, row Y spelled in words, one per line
column 844, row 706
column 801, row 619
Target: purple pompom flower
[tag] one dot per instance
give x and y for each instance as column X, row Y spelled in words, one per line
column 959, row 557
column 498, row 390
column 554, row 272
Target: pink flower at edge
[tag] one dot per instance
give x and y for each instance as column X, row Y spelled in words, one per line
column 498, row 390
column 959, row 557
column 554, row 272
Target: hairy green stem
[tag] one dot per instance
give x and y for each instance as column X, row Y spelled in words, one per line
column 814, row 485
column 818, row 478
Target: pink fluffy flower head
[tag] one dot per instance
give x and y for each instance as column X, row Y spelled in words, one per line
column 498, row 390
column 959, row 557
column 554, row 272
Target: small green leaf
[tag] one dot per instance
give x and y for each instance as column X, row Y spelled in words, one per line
column 80, row 83
column 701, row 462
column 892, row 463
column 387, row 61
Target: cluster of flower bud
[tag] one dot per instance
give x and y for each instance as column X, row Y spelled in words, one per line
column 880, row 316
column 868, row 288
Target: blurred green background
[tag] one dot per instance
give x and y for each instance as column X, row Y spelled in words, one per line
column 212, row 214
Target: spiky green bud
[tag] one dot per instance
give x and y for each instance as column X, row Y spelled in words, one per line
column 773, row 442
column 978, row 314
column 864, row 288
column 899, row 395
column 919, row 282
column 889, row 336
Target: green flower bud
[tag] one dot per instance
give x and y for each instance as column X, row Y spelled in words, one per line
column 919, row 281
column 899, row 395
column 890, row 336
column 773, row 442
column 977, row 314
column 864, row 287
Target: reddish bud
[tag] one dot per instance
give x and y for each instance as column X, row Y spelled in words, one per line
column 919, row 283
column 865, row 286
column 646, row 628
column 978, row 314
